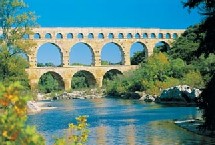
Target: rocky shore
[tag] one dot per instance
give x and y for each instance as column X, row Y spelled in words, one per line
column 79, row 95
column 82, row 94
column 35, row 107
column 193, row 125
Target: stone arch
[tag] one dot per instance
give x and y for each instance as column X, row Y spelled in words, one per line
column 59, row 36
column 56, row 76
column 110, row 36
column 153, row 36
column 168, row 36
column 160, row 35
column 129, row 36
column 69, row 36
column 37, row 36
column 48, row 36
column 110, row 74
column 90, row 36
column 145, row 36
column 120, row 36
column 25, row 36
column 175, row 36
column 80, row 36
column 161, row 46
column 137, row 36
column 138, row 47
column 51, row 44
column 89, row 76
column 113, row 45
column 101, row 36
column 84, row 45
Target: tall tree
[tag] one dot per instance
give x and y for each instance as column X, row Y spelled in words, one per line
column 188, row 42
column 207, row 46
column 15, row 22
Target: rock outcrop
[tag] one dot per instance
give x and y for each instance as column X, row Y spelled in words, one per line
column 179, row 94
column 92, row 94
column 148, row 98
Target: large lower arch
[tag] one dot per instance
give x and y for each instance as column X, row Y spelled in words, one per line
column 83, row 79
column 50, row 82
column 110, row 75
column 138, row 53
column 112, row 54
column 161, row 46
column 49, row 54
column 82, row 54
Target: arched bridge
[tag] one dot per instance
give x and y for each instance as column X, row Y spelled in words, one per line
column 95, row 38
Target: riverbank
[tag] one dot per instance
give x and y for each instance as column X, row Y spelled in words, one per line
column 76, row 94
column 193, row 125
column 35, row 107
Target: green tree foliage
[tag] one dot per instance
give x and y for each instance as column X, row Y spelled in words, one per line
column 207, row 46
column 206, row 102
column 103, row 62
column 15, row 22
column 49, row 83
column 109, row 76
column 13, row 128
column 161, row 47
column 186, row 46
column 206, row 65
column 158, row 73
column 194, row 79
column 80, row 81
column 206, row 8
column 49, row 64
column 138, row 58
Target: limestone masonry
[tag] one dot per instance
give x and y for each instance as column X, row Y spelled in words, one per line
column 95, row 38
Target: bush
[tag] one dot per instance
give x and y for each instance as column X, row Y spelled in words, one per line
column 13, row 129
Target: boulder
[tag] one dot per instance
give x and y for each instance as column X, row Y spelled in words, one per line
column 147, row 98
column 179, row 94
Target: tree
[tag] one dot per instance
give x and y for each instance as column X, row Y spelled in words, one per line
column 193, row 79
column 15, row 22
column 138, row 57
column 158, row 73
column 207, row 46
column 206, row 103
column 206, row 8
column 104, row 62
column 80, row 81
column 13, row 128
column 186, row 46
column 49, row 83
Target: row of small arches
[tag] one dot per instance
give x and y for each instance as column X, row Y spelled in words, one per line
column 110, row 36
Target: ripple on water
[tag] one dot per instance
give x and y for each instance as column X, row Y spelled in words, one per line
column 120, row 122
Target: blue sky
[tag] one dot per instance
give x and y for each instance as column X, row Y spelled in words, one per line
column 109, row 13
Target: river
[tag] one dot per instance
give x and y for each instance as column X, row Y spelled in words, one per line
column 120, row 122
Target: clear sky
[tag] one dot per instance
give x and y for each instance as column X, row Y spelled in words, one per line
column 109, row 13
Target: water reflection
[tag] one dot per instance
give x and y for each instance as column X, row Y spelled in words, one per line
column 120, row 122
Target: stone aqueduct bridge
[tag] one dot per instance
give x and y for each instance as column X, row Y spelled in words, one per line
column 95, row 38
